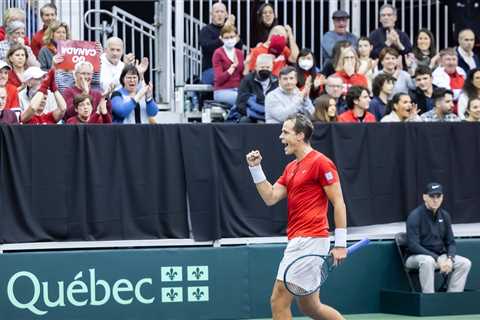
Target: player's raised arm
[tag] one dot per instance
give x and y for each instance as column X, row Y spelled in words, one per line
column 270, row 194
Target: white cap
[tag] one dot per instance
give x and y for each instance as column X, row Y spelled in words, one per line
column 3, row 64
column 33, row 73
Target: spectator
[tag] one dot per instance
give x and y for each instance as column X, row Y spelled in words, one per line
column 401, row 109
column 287, row 99
column 422, row 94
column 334, row 88
column 449, row 75
column 431, row 243
column 227, row 64
column 33, row 77
column 253, row 89
column 358, row 100
column 307, row 67
column 347, row 69
column 443, row 101
column 209, row 39
column 329, row 66
column 56, row 31
column 390, row 59
column 424, row 51
column 367, row 64
column 281, row 44
column 382, row 89
column 112, row 65
column 387, row 35
column 48, row 14
column 83, row 74
column 471, row 90
column 265, row 20
column 340, row 32
column 473, row 110
column 7, row 116
column 10, row 15
column 83, row 107
column 466, row 58
column 17, row 58
column 35, row 111
column 325, row 109
column 12, row 97
column 15, row 33
column 133, row 102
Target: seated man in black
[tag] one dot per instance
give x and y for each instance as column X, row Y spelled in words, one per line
column 431, row 243
column 424, row 87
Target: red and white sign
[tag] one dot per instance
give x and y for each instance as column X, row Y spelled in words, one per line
column 74, row 51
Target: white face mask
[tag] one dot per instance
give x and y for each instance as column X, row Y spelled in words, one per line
column 305, row 64
column 229, row 43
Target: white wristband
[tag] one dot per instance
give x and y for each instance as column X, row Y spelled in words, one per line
column 341, row 237
column 257, row 174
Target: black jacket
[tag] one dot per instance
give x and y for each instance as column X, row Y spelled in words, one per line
column 250, row 86
column 430, row 234
column 463, row 64
column 420, row 99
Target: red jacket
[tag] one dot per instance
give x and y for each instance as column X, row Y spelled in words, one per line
column 349, row 116
column 94, row 118
column 221, row 63
column 37, row 41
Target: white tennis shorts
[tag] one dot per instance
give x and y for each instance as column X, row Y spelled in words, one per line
column 301, row 246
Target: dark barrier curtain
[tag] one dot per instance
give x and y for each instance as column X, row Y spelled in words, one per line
column 383, row 170
column 91, row 183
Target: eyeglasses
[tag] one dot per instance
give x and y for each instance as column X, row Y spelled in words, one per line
column 337, row 86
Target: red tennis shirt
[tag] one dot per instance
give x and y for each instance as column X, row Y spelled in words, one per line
column 307, row 201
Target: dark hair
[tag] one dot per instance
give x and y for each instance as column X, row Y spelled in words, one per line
column 470, row 90
column 337, row 50
column 439, row 93
column 363, row 38
column 302, row 125
column 286, row 70
column 469, row 104
column 48, row 5
column 300, row 72
column 431, row 51
column 321, row 105
column 353, row 94
column 128, row 69
column 395, row 99
column 80, row 98
column 385, row 51
column 14, row 48
column 379, row 81
column 422, row 70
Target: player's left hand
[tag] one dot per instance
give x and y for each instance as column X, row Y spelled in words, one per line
column 338, row 254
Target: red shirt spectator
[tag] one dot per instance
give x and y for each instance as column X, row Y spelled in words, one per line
column 221, row 63
column 46, row 118
column 70, row 93
column 37, row 41
column 94, row 118
column 48, row 14
column 3, row 36
column 12, row 97
column 355, row 79
column 350, row 116
column 13, row 79
column 278, row 63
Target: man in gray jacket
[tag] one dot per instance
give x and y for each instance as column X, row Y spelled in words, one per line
column 287, row 99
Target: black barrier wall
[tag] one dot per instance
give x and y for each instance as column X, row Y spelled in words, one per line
column 64, row 183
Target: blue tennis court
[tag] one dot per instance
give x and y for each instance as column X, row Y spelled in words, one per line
column 383, row 316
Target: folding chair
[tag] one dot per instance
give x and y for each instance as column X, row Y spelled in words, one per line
column 401, row 241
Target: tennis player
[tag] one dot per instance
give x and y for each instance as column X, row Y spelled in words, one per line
column 308, row 183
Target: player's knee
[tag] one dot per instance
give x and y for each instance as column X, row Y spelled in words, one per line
column 464, row 264
column 279, row 299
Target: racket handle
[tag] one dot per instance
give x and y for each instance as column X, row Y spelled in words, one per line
column 357, row 245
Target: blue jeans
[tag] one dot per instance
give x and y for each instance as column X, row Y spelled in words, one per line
column 208, row 76
column 228, row 96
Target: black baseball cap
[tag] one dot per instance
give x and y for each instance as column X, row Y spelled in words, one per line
column 340, row 14
column 433, row 188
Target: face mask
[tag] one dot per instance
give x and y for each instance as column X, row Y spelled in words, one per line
column 277, row 44
column 229, row 43
column 264, row 74
column 305, row 64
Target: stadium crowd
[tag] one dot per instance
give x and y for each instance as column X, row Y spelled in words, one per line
column 36, row 89
column 383, row 77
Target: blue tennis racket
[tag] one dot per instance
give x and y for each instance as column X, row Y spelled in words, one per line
column 306, row 274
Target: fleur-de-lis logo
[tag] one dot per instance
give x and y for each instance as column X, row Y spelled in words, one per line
column 198, row 294
column 172, row 295
column 171, row 274
column 197, row 273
